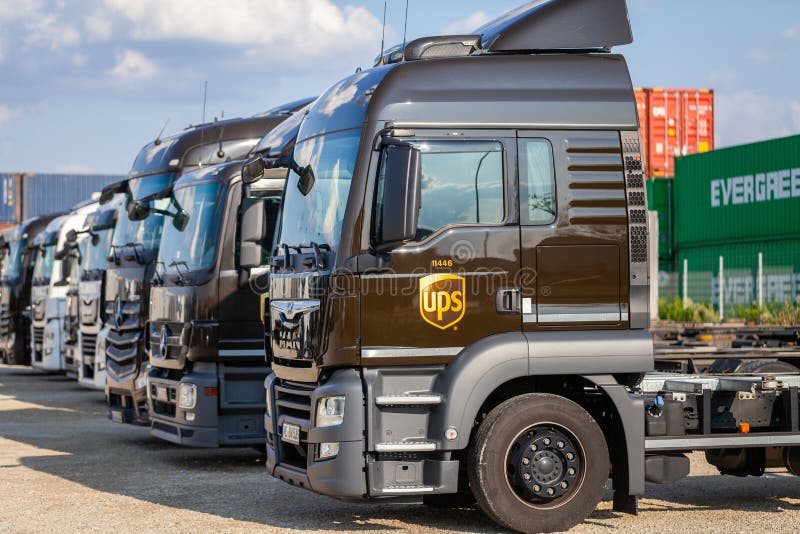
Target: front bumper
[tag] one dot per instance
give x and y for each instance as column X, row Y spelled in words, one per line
column 222, row 415
column 127, row 399
column 48, row 345
column 341, row 477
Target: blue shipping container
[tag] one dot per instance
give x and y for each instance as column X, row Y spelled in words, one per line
column 9, row 198
column 54, row 193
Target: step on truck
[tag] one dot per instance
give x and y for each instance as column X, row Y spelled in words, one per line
column 459, row 289
column 15, row 290
column 134, row 247
column 49, row 287
column 207, row 365
column 91, row 318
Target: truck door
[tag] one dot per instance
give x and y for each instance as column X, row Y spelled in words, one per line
column 454, row 283
column 573, row 229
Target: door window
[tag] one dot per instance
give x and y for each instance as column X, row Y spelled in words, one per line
column 462, row 183
column 537, row 182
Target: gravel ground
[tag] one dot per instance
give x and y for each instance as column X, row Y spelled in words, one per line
column 65, row 467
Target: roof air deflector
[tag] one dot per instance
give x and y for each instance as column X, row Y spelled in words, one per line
column 559, row 25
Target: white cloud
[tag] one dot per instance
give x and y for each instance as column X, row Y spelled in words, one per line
column 6, row 115
column 792, row 33
column 42, row 26
column 747, row 116
column 302, row 28
column 465, row 26
column 762, row 55
column 133, row 66
column 98, row 26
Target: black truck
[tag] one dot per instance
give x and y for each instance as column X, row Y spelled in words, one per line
column 135, row 245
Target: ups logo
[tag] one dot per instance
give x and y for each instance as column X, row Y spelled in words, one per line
column 442, row 299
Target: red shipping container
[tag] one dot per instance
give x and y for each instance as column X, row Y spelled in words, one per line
column 664, row 120
column 641, row 109
column 697, row 134
column 679, row 122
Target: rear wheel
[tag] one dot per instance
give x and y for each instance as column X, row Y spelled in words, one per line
column 539, row 463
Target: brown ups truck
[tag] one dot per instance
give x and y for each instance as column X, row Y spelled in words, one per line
column 135, row 244
column 459, row 287
column 206, row 339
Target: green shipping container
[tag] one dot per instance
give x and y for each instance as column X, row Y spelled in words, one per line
column 660, row 200
column 740, row 194
column 779, row 280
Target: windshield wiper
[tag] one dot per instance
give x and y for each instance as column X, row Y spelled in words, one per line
column 177, row 264
column 133, row 246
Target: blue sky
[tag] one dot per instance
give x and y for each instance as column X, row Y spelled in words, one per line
column 84, row 84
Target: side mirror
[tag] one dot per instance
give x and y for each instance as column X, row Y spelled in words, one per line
column 72, row 236
column 137, row 211
column 95, row 239
column 401, row 196
column 253, row 170
column 180, row 220
column 110, row 190
column 60, row 255
column 253, row 232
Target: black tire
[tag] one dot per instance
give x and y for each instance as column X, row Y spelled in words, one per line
column 498, row 444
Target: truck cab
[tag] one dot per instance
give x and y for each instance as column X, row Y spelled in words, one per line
column 207, row 365
column 15, row 290
column 461, row 271
column 135, row 245
column 91, row 320
column 50, row 283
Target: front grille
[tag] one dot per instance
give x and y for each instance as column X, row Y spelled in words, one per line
column 123, row 345
column 164, row 405
column 293, row 405
column 5, row 321
column 88, row 346
column 38, row 343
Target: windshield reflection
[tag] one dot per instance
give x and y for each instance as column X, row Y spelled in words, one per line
column 12, row 261
column 194, row 248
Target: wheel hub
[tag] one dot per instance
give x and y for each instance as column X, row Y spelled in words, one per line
column 543, row 464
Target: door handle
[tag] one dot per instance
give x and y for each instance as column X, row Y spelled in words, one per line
column 507, row 300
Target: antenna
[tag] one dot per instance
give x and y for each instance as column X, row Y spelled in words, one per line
column 158, row 137
column 405, row 28
column 202, row 122
column 383, row 30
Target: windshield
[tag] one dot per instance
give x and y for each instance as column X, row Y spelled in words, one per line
column 195, row 247
column 96, row 256
column 145, row 187
column 314, row 205
column 44, row 265
column 146, row 232
column 12, row 261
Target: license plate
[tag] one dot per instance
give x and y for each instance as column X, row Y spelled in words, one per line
column 116, row 416
column 291, row 434
column 161, row 393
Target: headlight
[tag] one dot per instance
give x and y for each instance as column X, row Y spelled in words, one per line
column 187, row 396
column 330, row 411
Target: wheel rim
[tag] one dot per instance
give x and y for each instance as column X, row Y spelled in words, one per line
column 545, row 466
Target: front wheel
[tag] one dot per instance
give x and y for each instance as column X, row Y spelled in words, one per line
column 538, row 463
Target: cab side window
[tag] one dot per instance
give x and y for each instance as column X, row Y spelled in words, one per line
column 537, row 182
column 462, row 183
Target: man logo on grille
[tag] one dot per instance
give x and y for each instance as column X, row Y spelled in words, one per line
column 119, row 316
column 442, row 299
